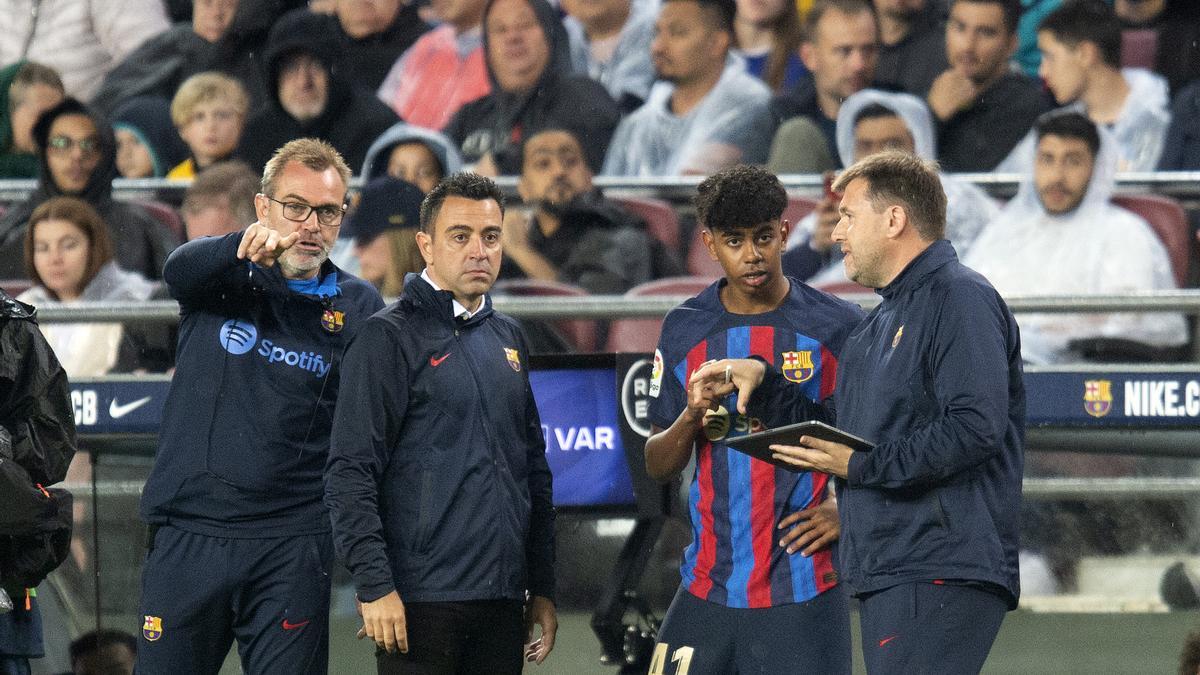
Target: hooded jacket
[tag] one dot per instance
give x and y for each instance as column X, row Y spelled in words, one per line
column 149, row 118
column 500, row 122
column 968, row 208
column 140, row 242
column 437, row 483
column 352, row 117
column 245, row 429
column 1098, row 248
column 376, row 162
column 13, row 164
column 368, row 59
column 163, row 62
column 654, row 141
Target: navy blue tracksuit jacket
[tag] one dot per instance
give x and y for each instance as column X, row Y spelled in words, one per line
column 437, row 482
column 245, row 430
column 933, row 377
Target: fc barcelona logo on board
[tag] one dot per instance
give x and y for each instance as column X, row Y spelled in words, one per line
column 514, row 358
column 1097, row 397
column 798, row 366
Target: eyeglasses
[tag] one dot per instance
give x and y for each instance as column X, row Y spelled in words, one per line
column 63, row 144
column 328, row 215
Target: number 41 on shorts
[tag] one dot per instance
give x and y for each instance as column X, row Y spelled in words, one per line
column 682, row 656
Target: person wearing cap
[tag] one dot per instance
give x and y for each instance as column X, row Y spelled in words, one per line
column 384, row 229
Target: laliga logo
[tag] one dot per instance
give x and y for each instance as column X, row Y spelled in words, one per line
column 238, row 337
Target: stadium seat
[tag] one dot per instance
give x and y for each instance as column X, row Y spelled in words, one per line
column 641, row 335
column 15, row 287
column 662, row 222
column 797, row 208
column 844, row 288
column 699, row 263
column 166, row 215
column 1170, row 223
column 1139, row 46
column 580, row 334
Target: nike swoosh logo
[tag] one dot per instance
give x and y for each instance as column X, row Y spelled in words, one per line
column 437, row 362
column 117, row 411
column 886, row 640
column 287, row 625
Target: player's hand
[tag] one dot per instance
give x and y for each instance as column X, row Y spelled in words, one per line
column 263, row 246
column 727, row 375
column 827, row 219
column 814, row 454
column 383, row 622
column 811, row 529
column 540, row 610
column 951, row 92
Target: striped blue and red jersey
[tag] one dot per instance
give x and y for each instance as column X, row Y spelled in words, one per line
column 735, row 501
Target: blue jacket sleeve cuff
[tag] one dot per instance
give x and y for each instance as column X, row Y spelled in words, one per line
column 854, row 471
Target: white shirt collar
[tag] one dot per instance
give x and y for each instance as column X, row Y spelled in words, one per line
column 457, row 309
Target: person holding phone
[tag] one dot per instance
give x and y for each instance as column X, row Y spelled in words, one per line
column 759, row 589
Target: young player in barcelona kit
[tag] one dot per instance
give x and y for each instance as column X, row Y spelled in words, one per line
column 753, row 598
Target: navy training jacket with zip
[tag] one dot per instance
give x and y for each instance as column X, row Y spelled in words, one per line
column 245, row 429
column 437, row 482
column 933, row 377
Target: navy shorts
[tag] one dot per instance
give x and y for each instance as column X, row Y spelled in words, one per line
column 929, row 627
column 701, row 637
column 200, row 593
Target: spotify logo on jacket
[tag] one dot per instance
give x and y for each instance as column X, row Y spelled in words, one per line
column 239, row 337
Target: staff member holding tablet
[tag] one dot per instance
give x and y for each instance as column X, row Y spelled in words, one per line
column 932, row 377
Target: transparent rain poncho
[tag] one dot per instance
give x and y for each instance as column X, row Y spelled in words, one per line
column 968, row 208
column 1098, row 248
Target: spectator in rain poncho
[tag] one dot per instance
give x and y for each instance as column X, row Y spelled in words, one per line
column 868, row 122
column 706, row 113
column 1060, row 235
column 1081, row 66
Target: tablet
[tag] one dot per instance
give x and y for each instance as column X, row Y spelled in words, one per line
column 759, row 444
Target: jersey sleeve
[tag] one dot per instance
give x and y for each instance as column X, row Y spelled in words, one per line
column 667, row 394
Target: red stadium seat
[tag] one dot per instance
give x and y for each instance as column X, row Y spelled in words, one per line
column 797, row 208
column 1139, row 47
column 844, row 288
column 579, row 333
column 662, row 222
column 166, row 215
column 641, row 335
column 1170, row 223
column 15, row 287
column 699, row 263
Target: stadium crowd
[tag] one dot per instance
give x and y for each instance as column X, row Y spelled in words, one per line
column 1064, row 92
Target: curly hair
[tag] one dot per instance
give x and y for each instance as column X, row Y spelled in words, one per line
column 738, row 197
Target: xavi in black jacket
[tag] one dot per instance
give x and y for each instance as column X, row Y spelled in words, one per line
column 437, row 481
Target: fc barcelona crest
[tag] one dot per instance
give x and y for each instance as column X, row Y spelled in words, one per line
column 333, row 320
column 514, row 359
column 798, row 366
column 152, row 628
column 1097, row 397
